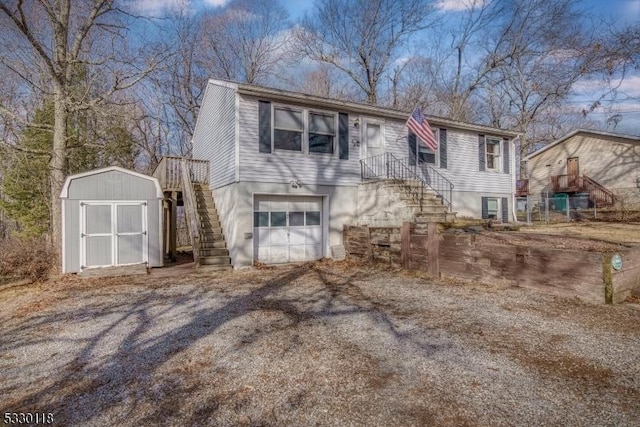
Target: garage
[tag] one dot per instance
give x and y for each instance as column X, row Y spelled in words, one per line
column 112, row 217
column 287, row 229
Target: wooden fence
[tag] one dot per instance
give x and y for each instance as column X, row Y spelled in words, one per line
column 563, row 272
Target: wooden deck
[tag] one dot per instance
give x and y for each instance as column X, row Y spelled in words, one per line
column 169, row 172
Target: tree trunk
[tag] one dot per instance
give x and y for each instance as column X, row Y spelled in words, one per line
column 57, row 166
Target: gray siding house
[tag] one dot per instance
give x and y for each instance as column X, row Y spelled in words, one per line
column 111, row 217
column 286, row 169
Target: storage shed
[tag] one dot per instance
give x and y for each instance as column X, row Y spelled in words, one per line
column 111, row 217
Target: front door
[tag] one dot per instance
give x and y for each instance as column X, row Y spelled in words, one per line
column 572, row 172
column 373, row 138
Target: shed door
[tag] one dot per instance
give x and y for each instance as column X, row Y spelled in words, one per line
column 113, row 233
column 287, row 229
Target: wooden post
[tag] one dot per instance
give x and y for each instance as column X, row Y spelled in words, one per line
column 165, row 228
column 607, row 278
column 433, row 249
column 405, row 245
column 173, row 225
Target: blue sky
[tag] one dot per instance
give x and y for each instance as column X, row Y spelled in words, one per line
column 621, row 13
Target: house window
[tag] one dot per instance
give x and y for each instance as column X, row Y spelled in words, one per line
column 288, row 128
column 492, row 208
column 321, row 132
column 425, row 154
column 493, row 146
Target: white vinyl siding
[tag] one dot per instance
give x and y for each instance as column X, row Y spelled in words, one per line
column 215, row 136
column 281, row 166
column 463, row 168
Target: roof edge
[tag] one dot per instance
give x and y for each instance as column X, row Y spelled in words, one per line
column 64, row 194
column 574, row 133
column 283, row 95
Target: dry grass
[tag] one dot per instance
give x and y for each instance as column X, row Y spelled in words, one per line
column 614, row 232
column 29, row 258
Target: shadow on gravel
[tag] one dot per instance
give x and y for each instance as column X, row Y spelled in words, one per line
column 89, row 387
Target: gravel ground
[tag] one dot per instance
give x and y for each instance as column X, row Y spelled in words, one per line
column 319, row 344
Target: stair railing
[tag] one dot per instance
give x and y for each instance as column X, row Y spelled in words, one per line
column 598, row 193
column 190, row 208
column 388, row 166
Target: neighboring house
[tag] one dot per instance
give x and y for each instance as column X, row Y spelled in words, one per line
column 287, row 170
column 604, row 165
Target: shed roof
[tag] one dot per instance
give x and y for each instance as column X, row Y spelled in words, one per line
column 64, row 194
column 581, row 131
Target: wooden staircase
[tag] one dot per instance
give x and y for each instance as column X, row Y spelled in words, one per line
column 188, row 178
column 213, row 253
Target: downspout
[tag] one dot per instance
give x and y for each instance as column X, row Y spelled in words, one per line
column 513, row 179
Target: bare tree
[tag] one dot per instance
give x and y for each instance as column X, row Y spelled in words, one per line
column 247, row 40
column 361, row 38
column 65, row 41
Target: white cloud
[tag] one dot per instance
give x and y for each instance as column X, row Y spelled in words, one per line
column 460, row 5
column 154, row 7
column 216, row 3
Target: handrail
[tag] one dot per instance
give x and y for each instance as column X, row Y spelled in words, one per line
column 597, row 192
column 190, row 207
column 388, row 166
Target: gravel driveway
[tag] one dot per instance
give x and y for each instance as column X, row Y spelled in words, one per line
column 319, row 344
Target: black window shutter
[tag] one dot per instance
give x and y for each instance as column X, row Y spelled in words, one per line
column 481, row 152
column 412, row 147
column 443, row 148
column 485, row 208
column 507, row 160
column 343, row 135
column 505, row 209
column 264, row 126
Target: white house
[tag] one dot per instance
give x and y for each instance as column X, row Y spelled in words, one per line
column 287, row 169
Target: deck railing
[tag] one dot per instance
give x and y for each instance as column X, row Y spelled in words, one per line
column 522, row 187
column 389, row 167
column 169, row 172
column 598, row 194
column 190, row 208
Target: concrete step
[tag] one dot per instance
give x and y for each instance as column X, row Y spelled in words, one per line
column 211, row 252
column 204, row 269
column 424, row 217
column 215, row 260
column 429, row 208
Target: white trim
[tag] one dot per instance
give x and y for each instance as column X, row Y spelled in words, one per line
column 113, row 204
column 64, row 194
column 325, row 217
column 363, row 135
column 160, row 248
column 236, row 142
column 64, row 238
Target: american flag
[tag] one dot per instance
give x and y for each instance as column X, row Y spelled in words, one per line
column 419, row 125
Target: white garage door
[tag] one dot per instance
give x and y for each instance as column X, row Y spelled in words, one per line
column 287, row 229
